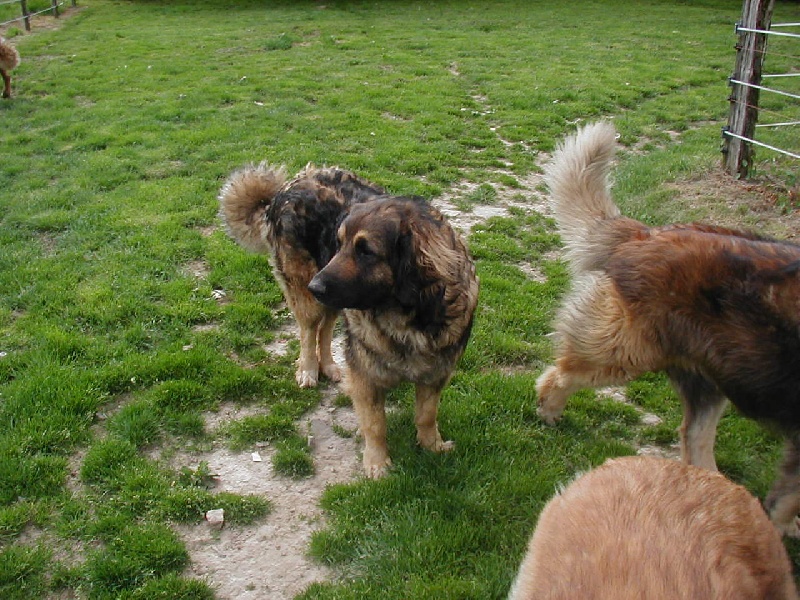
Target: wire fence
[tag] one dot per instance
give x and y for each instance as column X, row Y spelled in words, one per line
column 26, row 14
column 770, row 97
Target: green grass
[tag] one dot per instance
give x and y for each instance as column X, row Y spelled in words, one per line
column 115, row 337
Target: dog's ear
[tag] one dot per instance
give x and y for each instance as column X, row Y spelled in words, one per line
column 420, row 283
column 407, row 277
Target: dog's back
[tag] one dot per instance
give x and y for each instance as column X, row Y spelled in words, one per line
column 637, row 528
column 305, row 215
column 259, row 206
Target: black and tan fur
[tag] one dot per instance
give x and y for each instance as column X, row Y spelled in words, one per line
column 718, row 310
column 295, row 223
column 648, row 528
column 408, row 289
column 9, row 60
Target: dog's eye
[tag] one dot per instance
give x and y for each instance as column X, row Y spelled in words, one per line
column 362, row 248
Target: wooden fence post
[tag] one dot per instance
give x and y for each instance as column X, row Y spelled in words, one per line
column 25, row 14
column 737, row 153
column 54, row 3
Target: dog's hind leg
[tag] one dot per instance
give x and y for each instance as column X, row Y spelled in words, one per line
column 6, row 83
column 307, row 366
column 783, row 500
column 568, row 376
column 324, row 338
column 426, row 411
column 599, row 344
column 369, row 403
column 703, row 405
column 309, row 315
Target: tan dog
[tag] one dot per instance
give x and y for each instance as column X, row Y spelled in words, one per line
column 9, row 60
column 408, row 289
column 641, row 528
column 716, row 309
column 295, row 223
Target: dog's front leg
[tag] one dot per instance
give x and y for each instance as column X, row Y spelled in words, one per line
column 324, row 340
column 426, row 411
column 369, row 403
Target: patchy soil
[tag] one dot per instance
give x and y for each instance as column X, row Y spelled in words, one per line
column 269, row 560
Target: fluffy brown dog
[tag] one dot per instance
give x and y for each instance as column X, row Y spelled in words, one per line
column 716, row 309
column 408, row 289
column 295, row 223
column 653, row 528
column 9, row 60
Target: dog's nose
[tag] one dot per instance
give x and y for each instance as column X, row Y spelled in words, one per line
column 316, row 287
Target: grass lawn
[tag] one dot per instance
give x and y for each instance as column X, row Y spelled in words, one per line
column 126, row 312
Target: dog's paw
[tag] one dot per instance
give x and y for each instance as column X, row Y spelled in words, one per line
column 378, row 469
column 332, row 372
column 435, row 443
column 549, row 417
column 306, row 379
column 443, row 446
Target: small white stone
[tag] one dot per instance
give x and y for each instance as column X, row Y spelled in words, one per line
column 216, row 517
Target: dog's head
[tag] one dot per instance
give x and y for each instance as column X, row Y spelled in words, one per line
column 393, row 253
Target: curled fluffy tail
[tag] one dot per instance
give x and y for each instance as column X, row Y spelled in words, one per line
column 578, row 178
column 243, row 200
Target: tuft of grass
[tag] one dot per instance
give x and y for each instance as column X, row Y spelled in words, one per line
column 259, row 428
column 22, row 572
column 293, row 458
column 135, row 557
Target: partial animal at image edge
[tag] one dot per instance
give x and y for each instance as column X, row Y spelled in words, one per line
column 654, row 528
column 9, row 60
column 714, row 308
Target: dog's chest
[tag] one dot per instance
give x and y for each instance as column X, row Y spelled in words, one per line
column 392, row 350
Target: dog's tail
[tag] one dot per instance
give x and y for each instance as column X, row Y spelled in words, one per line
column 580, row 196
column 245, row 198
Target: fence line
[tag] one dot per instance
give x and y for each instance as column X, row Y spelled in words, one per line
column 762, row 144
column 765, row 89
column 26, row 14
column 739, row 134
column 768, row 32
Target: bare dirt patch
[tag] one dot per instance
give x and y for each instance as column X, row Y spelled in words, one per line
column 761, row 205
column 269, row 560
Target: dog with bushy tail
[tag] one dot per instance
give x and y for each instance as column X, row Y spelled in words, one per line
column 714, row 308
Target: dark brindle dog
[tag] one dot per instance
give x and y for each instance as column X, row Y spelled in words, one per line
column 408, row 289
column 717, row 309
column 401, row 273
column 295, row 224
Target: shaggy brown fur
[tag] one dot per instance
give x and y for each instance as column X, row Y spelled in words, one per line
column 653, row 528
column 716, row 309
column 9, row 60
column 408, row 289
column 295, row 224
